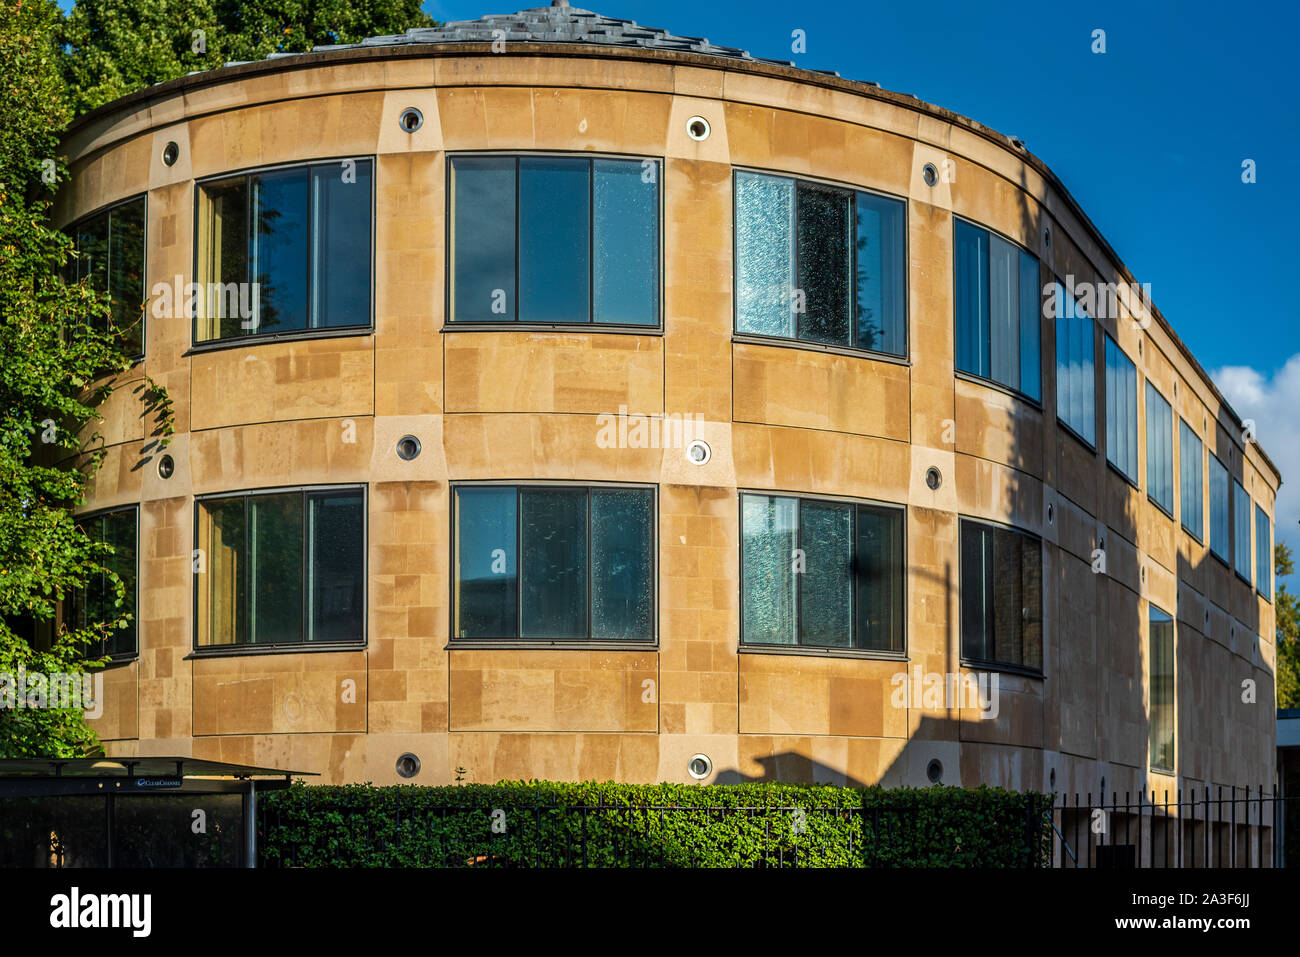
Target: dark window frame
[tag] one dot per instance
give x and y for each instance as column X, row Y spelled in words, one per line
column 552, row 644
column 1269, row 569
column 1173, row 687
column 71, row 229
column 1070, row 430
column 133, row 507
column 450, row 324
column 798, row 648
column 1224, row 557
column 794, row 342
column 1234, row 484
column 1132, row 480
column 259, row 338
column 1174, row 473
column 975, row 377
column 304, row 646
column 1182, row 505
column 991, row 664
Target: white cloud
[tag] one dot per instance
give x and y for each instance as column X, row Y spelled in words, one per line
column 1274, row 403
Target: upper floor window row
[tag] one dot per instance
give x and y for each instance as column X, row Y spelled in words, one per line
column 285, row 250
column 553, row 240
column 820, row 263
column 110, row 247
column 997, row 310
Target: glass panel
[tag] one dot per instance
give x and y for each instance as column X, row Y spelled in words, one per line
column 275, row 569
column 1004, row 312
column 553, row 563
column 92, row 245
column 1160, row 449
column 826, row 597
column 1007, row 586
column 487, row 570
column 823, row 234
column 976, row 598
column 1161, row 689
column 622, row 564
column 1031, row 309
column 554, row 240
column 483, row 239
column 1241, row 530
column 340, row 248
column 1192, row 506
column 881, row 280
column 223, row 242
column 280, row 247
column 769, row 530
column 1220, row 528
column 626, row 227
column 126, row 279
column 1075, row 376
column 1121, row 411
column 764, row 255
column 119, row 531
column 336, row 572
column 1031, row 601
column 1263, row 554
column 972, row 298
column 879, row 607
column 222, row 615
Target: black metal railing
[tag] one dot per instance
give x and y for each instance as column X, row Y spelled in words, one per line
column 1198, row 827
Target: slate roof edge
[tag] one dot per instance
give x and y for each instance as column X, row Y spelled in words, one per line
column 587, row 51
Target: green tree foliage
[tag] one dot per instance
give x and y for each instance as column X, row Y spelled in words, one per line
column 115, row 47
column 52, row 348
column 1287, row 608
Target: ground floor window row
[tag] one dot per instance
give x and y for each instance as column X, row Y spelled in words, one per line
column 569, row 562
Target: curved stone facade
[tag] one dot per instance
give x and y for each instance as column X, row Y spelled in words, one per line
column 525, row 405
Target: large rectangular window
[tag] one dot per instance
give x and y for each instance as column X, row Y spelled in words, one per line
column 1220, row 509
column 281, row 568
column 1241, row 553
column 1160, row 689
column 1160, row 450
column 111, row 257
column 1191, row 480
column 823, row 574
column 284, row 251
column 554, row 240
column 1263, row 554
column 98, row 602
column 820, row 264
column 554, row 563
column 997, row 309
column 1121, row 412
column 1075, row 361
column 1001, row 596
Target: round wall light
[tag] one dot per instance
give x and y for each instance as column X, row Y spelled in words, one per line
column 698, row 452
column 1051, row 512
column 1047, row 237
column 408, row 447
column 933, row 478
column 408, row 765
column 410, row 120
column 166, row 467
column 1051, row 780
column 699, row 766
column 170, row 154
column 697, row 128
column 930, row 174
column 934, row 771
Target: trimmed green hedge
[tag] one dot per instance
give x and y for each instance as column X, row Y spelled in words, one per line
column 550, row 824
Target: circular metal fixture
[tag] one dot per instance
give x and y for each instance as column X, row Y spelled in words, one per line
column 934, row 771
column 699, row 766
column 929, row 174
column 408, row 447
column 410, row 120
column 408, row 765
column 166, row 467
column 1047, row 237
column 1051, row 779
column 171, row 153
column 1050, row 513
column 698, row 452
column 933, row 478
column 697, row 128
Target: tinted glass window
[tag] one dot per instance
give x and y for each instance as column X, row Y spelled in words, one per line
column 98, row 603
column 1241, row 553
column 626, row 230
column 1160, row 449
column 1001, row 596
column 1075, row 382
column 110, row 250
column 1121, row 411
column 1160, row 692
column 1191, row 480
column 554, row 240
column 1263, row 554
column 1220, row 523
